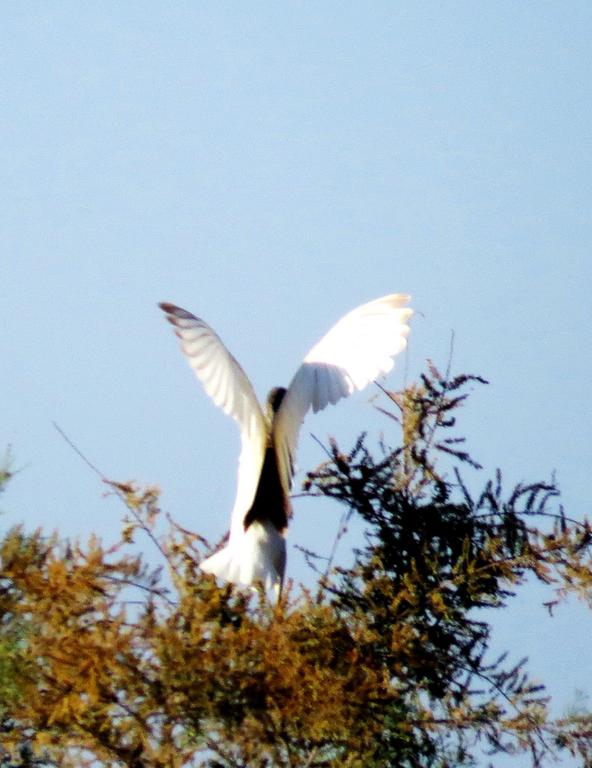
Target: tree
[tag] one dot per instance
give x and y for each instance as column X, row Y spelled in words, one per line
column 385, row 663
column 13, row 640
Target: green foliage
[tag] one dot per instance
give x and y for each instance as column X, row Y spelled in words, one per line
column 111, row 662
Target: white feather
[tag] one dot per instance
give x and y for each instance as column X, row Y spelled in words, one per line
column 228, row 386
column 357, row 350
column 258, row 556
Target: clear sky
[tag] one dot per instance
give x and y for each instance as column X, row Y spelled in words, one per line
column 269, row 166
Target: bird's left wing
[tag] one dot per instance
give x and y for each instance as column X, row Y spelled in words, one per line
column 358, row 349
column 227, row 384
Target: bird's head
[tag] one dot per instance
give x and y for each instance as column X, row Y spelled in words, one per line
column 274, row 400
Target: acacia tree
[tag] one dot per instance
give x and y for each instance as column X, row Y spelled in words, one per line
column 385, row 663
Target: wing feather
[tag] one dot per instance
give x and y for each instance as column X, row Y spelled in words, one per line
column 358, row 349
column 227, row 384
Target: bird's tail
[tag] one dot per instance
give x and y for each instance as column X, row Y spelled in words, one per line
column 257, row 556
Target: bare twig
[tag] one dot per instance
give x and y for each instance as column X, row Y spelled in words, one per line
column 116, row 487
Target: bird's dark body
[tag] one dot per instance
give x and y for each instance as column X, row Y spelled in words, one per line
column 270, row 502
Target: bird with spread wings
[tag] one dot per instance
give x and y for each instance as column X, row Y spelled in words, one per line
column 358, row 349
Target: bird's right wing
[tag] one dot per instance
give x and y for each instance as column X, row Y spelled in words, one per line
column 358, row 349
column 227, row 384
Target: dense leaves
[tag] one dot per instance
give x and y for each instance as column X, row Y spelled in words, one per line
column 105, row 660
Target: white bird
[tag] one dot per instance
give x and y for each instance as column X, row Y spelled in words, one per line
column 358, row 349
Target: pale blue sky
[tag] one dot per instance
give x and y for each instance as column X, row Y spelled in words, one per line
column 270, row 166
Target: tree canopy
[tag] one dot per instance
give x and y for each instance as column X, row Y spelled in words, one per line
column 106, row 659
